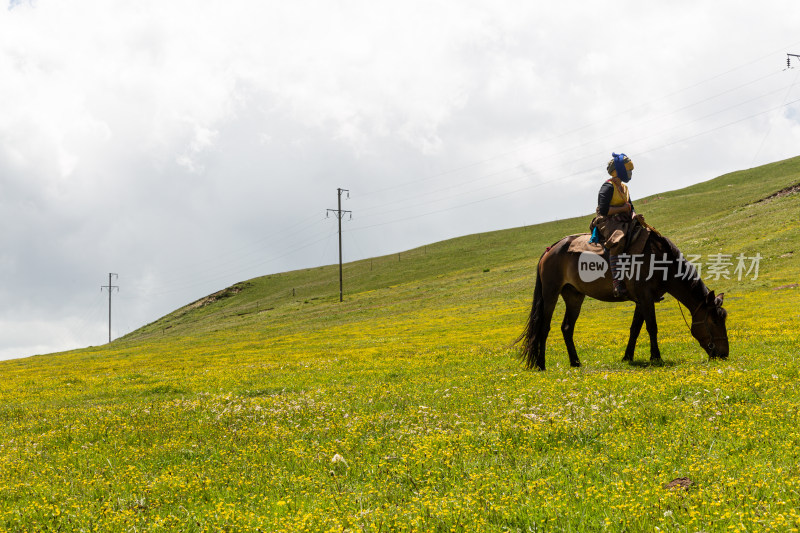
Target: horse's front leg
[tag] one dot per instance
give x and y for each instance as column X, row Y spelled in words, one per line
column 636, row 327
column 648, row 311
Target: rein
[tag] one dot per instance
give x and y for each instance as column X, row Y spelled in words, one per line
column 680, row 307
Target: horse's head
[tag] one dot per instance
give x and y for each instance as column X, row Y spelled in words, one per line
column 708, row 326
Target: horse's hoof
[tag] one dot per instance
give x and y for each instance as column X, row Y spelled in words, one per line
column 574, row 364
column 656, row 361
column 627, row 359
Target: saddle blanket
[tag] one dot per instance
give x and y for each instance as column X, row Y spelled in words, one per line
column 637, row 238
column 580, row 243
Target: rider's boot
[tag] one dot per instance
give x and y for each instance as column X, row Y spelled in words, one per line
column 616, row 272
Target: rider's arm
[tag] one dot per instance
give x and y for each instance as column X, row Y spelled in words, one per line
column 625, row 208
column 604, row 198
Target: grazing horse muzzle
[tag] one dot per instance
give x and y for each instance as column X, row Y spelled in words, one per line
column 709, row 330
column 717, row 350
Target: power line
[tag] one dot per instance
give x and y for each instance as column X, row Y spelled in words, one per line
column 523, row 166
column 340, row 213
column 523, row 173
column 586, row 126
column 769, row 128
column 524, row 169
column 535, row 185
column 200, row 277
column 176, row 288
column 234, row 257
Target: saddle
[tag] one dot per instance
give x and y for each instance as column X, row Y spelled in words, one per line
column 635, row 239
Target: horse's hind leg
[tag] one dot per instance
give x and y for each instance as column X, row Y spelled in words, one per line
column 574, row 301
column 550, row 299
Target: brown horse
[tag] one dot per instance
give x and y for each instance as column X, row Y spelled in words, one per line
column 668, row 272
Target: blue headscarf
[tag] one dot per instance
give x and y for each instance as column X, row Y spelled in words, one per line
column 619, row 165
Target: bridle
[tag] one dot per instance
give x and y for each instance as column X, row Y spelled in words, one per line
column 711, row 338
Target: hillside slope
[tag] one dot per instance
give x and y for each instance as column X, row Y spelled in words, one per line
column 732, row 213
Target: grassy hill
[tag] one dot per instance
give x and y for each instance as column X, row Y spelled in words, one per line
column 702, row 219
column 273, row 406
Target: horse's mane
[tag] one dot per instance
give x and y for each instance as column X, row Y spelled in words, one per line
column 679, row 263
column 697, row 288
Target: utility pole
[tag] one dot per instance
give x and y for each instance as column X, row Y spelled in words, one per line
column 110, row 288
column 789, row 59
column 339, row 214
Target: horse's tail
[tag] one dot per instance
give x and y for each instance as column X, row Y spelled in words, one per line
column 532, row 338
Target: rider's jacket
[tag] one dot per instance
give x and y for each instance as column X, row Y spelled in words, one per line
column 613, row 193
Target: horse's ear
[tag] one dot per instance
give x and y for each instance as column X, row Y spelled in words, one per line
column 719, row 299
column 710, row 298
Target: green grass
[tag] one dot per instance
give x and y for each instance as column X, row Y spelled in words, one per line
column 277, row 408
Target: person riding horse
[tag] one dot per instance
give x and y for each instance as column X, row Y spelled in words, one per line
column 560, row 274
column 614, row 215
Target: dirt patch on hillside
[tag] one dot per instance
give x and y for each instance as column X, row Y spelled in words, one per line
column 217, row 296
column 792, row 189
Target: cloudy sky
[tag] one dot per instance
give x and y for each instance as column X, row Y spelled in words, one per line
column 187, row 145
